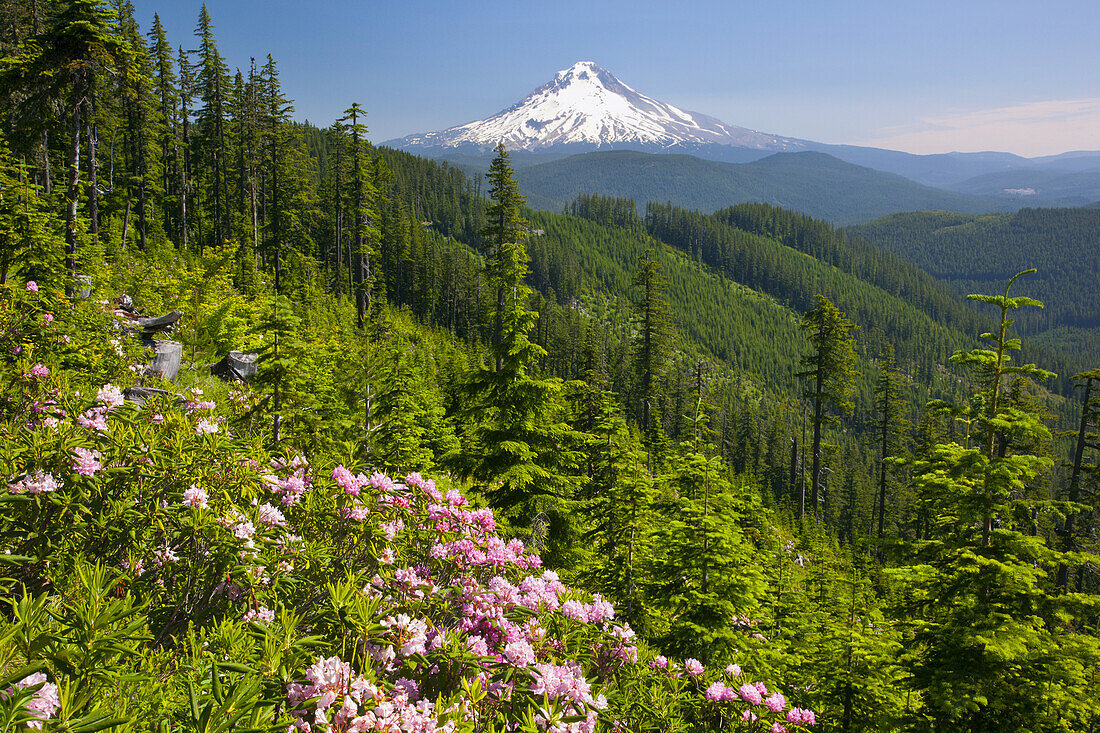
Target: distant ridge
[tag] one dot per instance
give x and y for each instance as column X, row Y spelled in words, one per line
column 585, row 108
column 810, row 182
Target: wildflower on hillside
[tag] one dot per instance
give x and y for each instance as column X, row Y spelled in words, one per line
column 269, row 516
column 45, row 703
column 110, row 395
column 263, row 615
column 750, row 694
column 87, row 462
column 37, row 483
column 195, row 497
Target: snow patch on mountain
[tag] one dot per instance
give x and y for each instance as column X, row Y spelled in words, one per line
column 586, row 104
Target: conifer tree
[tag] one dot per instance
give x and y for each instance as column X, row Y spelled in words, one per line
column 213, row 88
column 63, row 71
column 1087, row 437
column 506, row 228
column 891, row 425
column 364, row 227
column 988, row 634
column 276, row 114
column 167, row 134
column 830, row 373
column 653, row 341
column 521, row 450
column 139, row 105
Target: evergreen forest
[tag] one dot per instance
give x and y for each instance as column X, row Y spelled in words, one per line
column 299, row 433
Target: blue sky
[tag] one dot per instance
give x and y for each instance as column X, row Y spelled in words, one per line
column 923, row 76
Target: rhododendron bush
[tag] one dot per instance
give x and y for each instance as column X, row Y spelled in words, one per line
column 162, row 567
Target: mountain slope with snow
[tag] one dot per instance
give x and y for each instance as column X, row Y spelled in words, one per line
column 586, row 105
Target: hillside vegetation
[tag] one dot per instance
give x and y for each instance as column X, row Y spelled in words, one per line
column 496, row 469
column 813, row 183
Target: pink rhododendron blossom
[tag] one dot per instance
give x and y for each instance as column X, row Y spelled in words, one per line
column 244, row 530
column 110, row 395
column 206, row 427
column 346, row 480
column 778, row 727
column 659, row 662
column 715, row 692
column 750, row 694
column 776, row 702
column 38, row 482
column 519, row 653
column 269, row 516
column 32, row 286
column 749, row 716
column 45, row 703
column 39, row 371
column 86, row 462
column 47, row 318
column 94, row 419
column 195, row 497
column 733, row 670
column 262, row 615
column 693, row 667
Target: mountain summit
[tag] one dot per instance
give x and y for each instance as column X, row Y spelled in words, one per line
column 586, row 105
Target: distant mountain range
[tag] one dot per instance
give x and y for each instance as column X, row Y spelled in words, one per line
column 814, row 183
column 586, row 109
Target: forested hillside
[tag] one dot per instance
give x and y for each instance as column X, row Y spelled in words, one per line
column 494, row 469
column 813, row 183
column 972, row 253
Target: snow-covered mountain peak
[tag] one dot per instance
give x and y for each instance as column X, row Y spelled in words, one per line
column 585, row 104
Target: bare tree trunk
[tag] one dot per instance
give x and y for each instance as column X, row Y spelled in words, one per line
column 126, row 223
column 46, row 160
column 93, row 170
column 74, row 196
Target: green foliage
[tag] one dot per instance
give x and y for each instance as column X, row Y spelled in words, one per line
column 815, row 183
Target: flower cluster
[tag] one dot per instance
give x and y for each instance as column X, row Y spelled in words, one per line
column 45, row 703
column 86, row 462
column 38, row 482
column 195, row 497
column 348, row 703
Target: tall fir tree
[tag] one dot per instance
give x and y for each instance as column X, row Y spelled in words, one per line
column 829, row 373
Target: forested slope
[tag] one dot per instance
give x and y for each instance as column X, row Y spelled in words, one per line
column 663, row 499
column 972, row 253
column 812, row 183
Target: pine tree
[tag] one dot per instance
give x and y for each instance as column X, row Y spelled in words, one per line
column 521, row 450
column 506, row 228
column 276, row 116
column 1087, row 437
column 210, row 146
column 63, row 71
column 653, row 341
column 989, row 636
column 891, row 425
column 167, row 121
column 364, row 229
column 830, row 373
